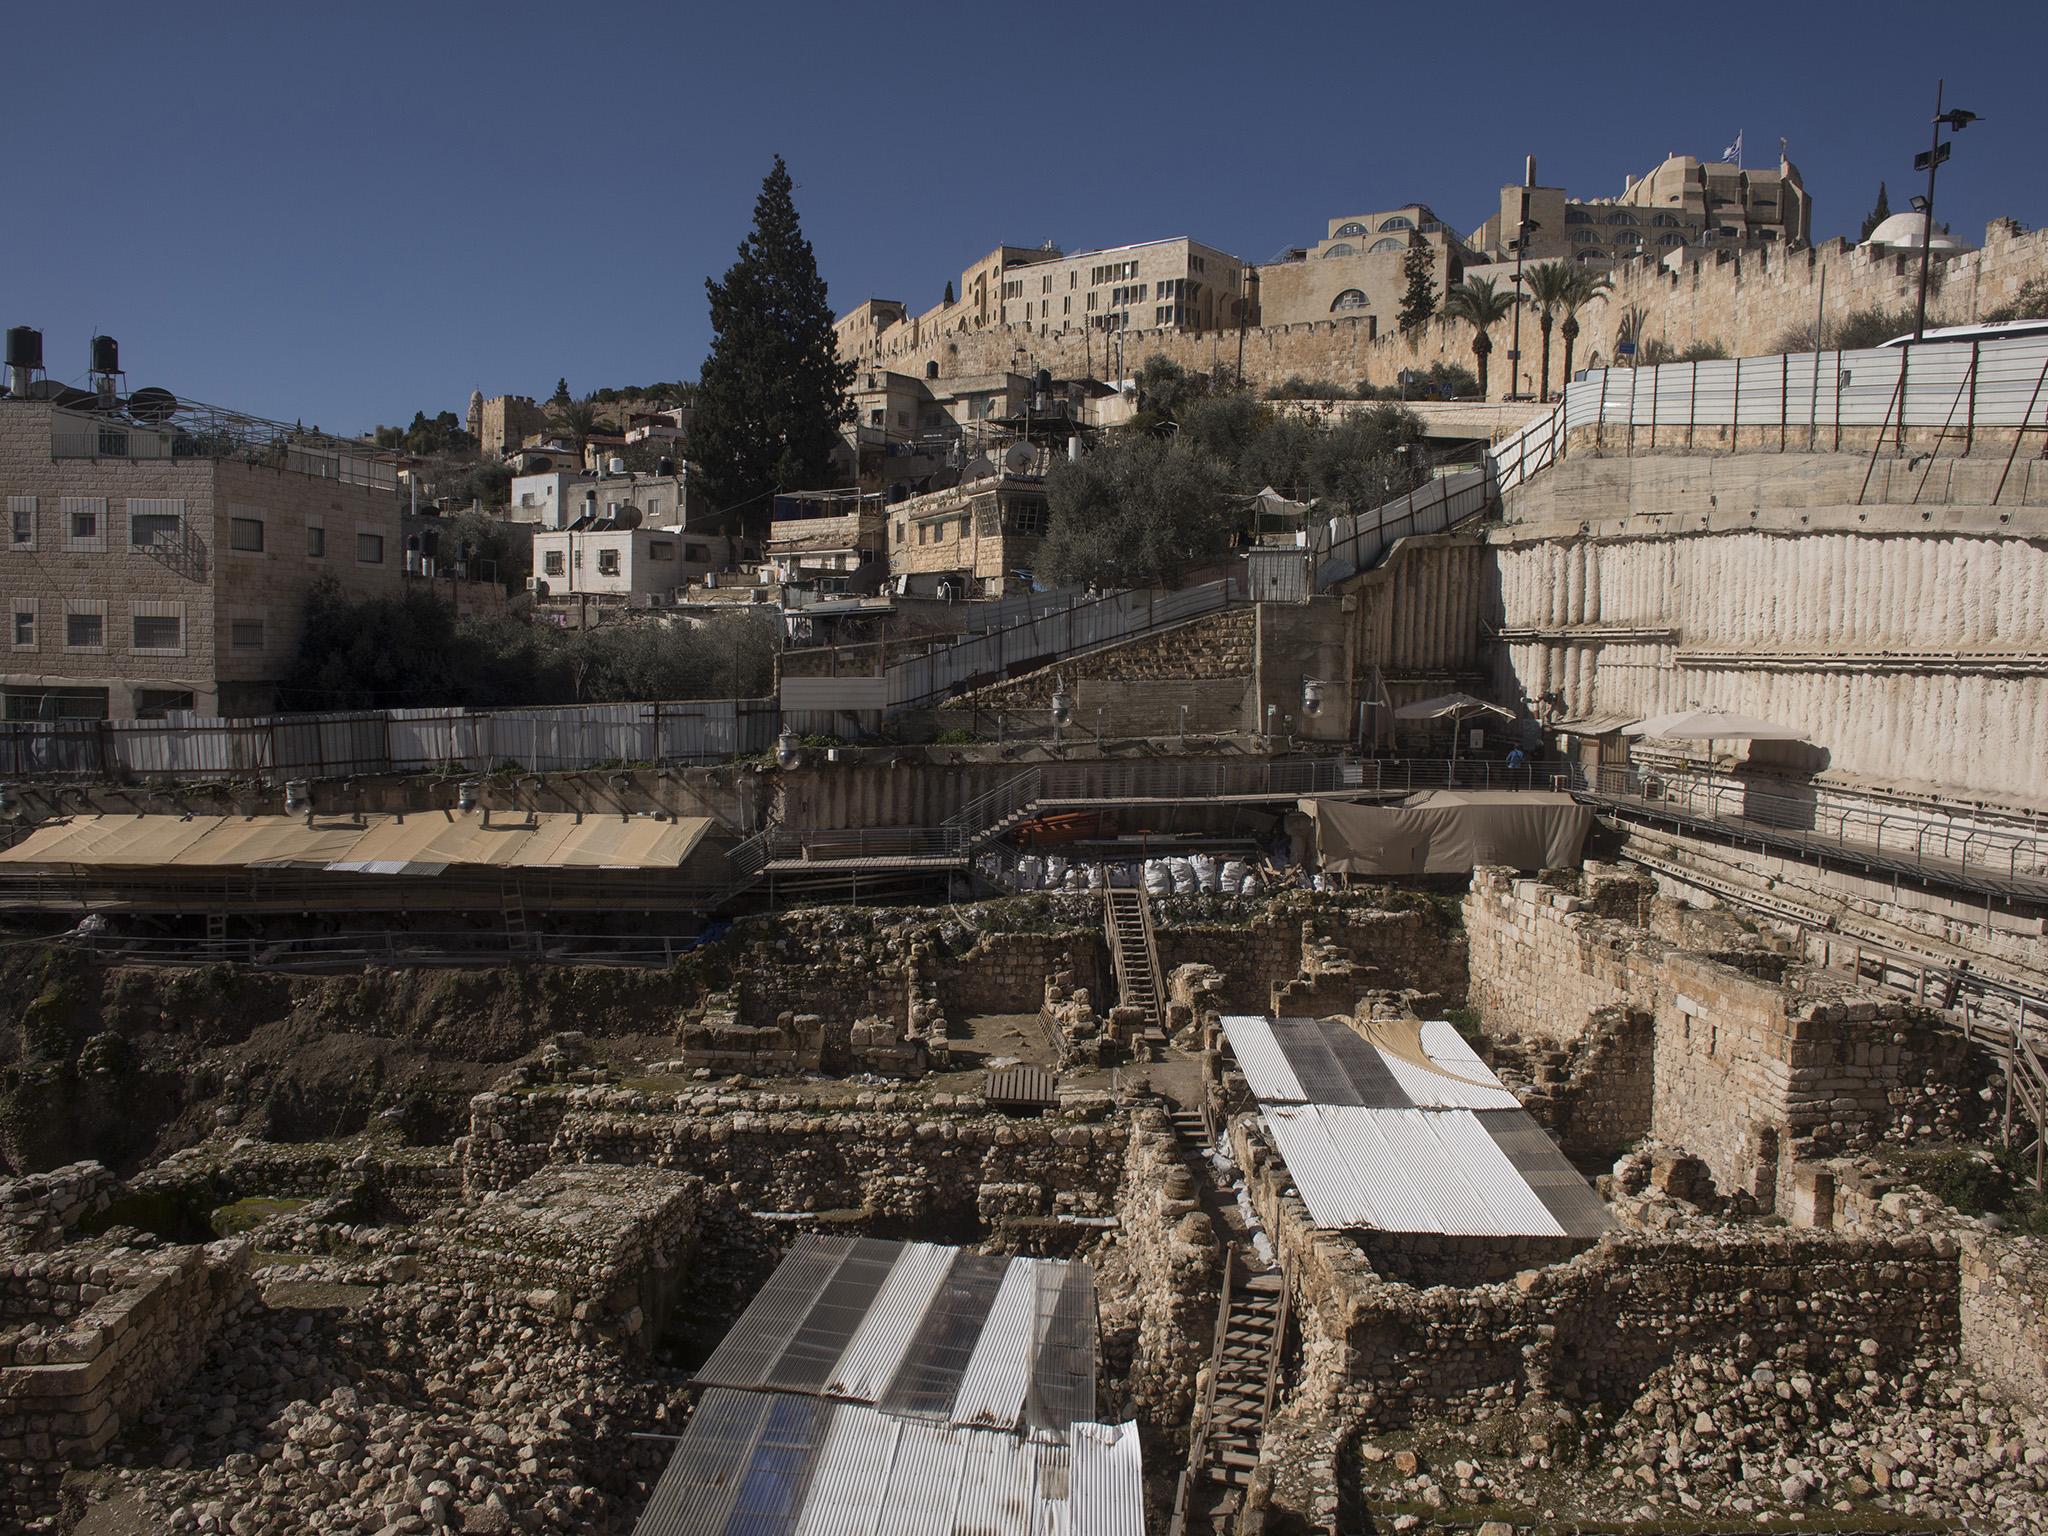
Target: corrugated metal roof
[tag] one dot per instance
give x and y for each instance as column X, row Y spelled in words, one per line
column 1415, row 1156
column 1509, row 1199
column 1440, row 1088
column 755, row 1342
column 1261, row 1060
column 1106, row 1482
column 1451, row 1051
column 892, row 1320
column 999, row 1372
column 851, row 1475
column 1563, row 1190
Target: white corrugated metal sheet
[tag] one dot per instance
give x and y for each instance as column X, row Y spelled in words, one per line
column 1515, row 1207
column 917, row 1498
column 1106, row 1486
column 1442, row 1043
column 1262, row 1061
column 999, row 1372
column 877, row 1346
column 1405, row 1170
column 850, row 1474
column 1448, row 1088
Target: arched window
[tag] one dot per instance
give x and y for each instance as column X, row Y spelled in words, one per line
column 1577, row 216
column 1621, row 216
column 1663, row 221
column 1353, row 228
column 1585, row 236
column 1350, row 298
column 931, row 370
column 1389, row 243
column 1589, row 256
column 1398, row 221
column 1341, row 249
column 1671, row 239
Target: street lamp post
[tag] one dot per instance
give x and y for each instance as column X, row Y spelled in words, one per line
column 1515, row 342
column 1957, row 120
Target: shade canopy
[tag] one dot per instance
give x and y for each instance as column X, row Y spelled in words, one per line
column 1450, row 706
column 1713, row 725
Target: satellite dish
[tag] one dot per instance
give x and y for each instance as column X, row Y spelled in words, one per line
column 1019, row 459
column 628, row 516
column 978, row 468
column 152, row 405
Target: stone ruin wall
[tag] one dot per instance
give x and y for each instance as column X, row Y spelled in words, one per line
column 2004, row 1306
column 1746, row 303
column 1750, row 1072
column 90, row 1339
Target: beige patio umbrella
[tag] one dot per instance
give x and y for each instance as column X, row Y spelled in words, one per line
column 1456, row 707
column 1713, row 725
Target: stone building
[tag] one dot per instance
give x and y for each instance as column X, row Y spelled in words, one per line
column 163, row 566
column 1682, row 203
column 829, row 534
column 501, row 423
column 640, row 566
column 1358, row 270
column 984, row 532
column 1176, row 284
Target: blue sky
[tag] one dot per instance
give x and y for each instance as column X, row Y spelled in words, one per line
column 347, row 213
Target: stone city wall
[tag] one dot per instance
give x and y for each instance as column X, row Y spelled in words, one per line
column 88, row 1339
column 2004, row 1303
column 1745, row 303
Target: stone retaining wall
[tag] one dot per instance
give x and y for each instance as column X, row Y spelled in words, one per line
column 2004, row 1304
column 89, row 1337
column 36, row 1211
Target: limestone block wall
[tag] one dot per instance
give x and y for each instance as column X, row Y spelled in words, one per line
column 2004, row 1309
column 36, row 1211
column 1756, row 1061
column 1215, row 648
column 88, row 1339
column 1911, row 644
column 1745, row 303
column 1006, row 972
column 1390, row 949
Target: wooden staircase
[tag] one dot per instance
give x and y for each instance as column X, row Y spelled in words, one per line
column 1127, row 929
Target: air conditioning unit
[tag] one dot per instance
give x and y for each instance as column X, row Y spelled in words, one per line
column 533, row 583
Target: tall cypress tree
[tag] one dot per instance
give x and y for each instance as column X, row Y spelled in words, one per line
column 1877, row 215
column 773, row 392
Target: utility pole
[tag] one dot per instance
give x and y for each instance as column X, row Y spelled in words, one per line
column 1521, row 250
column 1937, row 152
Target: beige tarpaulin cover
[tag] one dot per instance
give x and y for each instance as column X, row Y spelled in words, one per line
column 1447, row 832
column 421, row 842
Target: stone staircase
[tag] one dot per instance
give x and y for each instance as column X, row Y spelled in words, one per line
column 1127, row 929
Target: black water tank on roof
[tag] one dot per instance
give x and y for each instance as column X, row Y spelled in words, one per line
column 106, row 355
column 24, row 347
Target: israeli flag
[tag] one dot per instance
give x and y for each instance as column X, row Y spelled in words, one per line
column 1733, row 153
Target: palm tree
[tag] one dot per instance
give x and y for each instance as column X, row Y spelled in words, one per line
column 579, row 419
column 1586, row 288
column 1550, row 285
column 1481, row 305
column 1633, row 319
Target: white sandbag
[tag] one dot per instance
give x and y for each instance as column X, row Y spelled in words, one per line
column 1232, row 876
column 1252, row 885
column 1183, row 875
column 1207, row 873
column 1157, row 881
column 1030, row 870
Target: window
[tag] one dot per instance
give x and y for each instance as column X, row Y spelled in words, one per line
column 1621, row 216
column 246, row 634
column 1398, row 221
column 85, row 523
column 158, row 631
column 1577, row 216
column 661, row 549
column 55, row 703
column 553, row 563
column 1340, row 249
column 1353, row 228
column 1350, row 298
column 85, row 631
column 1671, row 239
column 21, row 522
column 316, row 542
column 1663, row 221
column 1585, row 236
column 369, row 549
column 607, row 562
column 25, row 624
column 152, row 530
column 1390, row 243
column 701, row 553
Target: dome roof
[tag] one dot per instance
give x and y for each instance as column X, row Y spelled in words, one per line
column 1906, row 231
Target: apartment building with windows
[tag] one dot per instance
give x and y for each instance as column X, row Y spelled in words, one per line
column 980, row 535
column 634, row 567
column 1684, row 203
column 163, row 565
column 1358, row 271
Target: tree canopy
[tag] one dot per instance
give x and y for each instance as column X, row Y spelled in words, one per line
column 772, row 397
column 1418, row 303
column 443, row 433
column 1151, row 507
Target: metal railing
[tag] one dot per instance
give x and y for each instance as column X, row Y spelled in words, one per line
column 352, row 951
column 1808, row 399
column 364, row 742
column 1344, row 546
column 1961, row 844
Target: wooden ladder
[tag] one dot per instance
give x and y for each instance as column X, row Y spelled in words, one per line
column 1127, row 929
